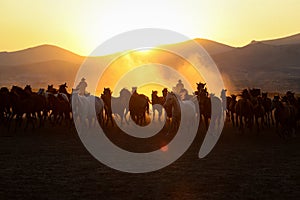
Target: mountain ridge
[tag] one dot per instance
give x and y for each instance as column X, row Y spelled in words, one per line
column 259, row 64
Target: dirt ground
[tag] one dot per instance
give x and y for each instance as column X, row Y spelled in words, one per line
column 52, row 163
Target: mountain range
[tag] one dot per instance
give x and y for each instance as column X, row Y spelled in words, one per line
column 272, row 65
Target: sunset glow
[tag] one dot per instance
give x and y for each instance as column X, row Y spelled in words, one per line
column 81, row 26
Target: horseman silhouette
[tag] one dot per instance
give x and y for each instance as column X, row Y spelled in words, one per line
column 81, row 87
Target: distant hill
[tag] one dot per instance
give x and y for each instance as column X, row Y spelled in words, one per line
column 273, row 65
column 260, row 64
column 38, row 54
column 213, row 47
column 39, row 74
column 293, row 39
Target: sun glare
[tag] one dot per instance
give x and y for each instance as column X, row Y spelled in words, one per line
column 164, row 148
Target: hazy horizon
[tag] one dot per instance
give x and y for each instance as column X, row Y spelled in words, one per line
column 83, row 26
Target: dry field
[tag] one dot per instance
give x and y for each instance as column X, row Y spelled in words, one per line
column 52, row 163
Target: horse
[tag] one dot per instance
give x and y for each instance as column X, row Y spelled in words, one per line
column 138, row 107
column 244, row 111
column 39, row 104
column 51, row 89
column 259, row 112
column 231, row 109
column 84, row 108
column 204, row 103
column 62, row 89
column 290, row 96
column 21, row 104
column 106, row 97
column 224, row 100
column 120, row 105
column 285, row 116
column 157, row 104
column 188, row 108
column 4, row 105
column 258, row 109
column 60, row 108
column 267, row 104
column 218, row 111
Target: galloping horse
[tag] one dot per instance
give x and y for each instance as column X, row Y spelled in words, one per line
column 231, row 110
column 120, row 105
column 267, row 104
column 157, row 103
column 87, row 108
column 62, row 89
column 40, row 108
column 188, row 108
column 285, row 115
column 204, row 103
column 106, row 97
column 244, row 111
column 258, row 109
column 21, row 104
column 138, row 107
column 4, row 105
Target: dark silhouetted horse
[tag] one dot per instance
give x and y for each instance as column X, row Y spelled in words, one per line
column 232, row 109
column 120, row 105
column 244, row 111
column 285, row 116
column 4, row 105
column 138, row 107
column 106, row 97
column 204, row 103
column 21, row 104
column 157, row 104
column 39, row 101
column 267, row 104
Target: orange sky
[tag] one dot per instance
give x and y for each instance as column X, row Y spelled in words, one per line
column 80, row 26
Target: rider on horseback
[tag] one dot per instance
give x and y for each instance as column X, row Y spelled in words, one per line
column 81, row 87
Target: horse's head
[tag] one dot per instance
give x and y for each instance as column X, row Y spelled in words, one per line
column 233, row 97
column 200, row 86
column 28, row 89
column 107, row 91
column 154, row 93
column 17, row 89
column 62, row 87
column 223, row 92
column 165, row 92
column 4, row 90
column 255, row 92
column 170, row 99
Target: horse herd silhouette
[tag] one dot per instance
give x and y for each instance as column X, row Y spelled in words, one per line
column 249, row 109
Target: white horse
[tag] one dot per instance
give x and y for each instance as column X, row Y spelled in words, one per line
column 187, row 117
column 86, row 108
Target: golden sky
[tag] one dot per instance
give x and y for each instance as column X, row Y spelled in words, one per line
column 82, row 25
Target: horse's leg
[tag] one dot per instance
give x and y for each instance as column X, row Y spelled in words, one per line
column 10, row 120
column 263, row 121
column 272, row 118
column 40, row 116
column 269, row 115
column 257, row 124
column 206, row 122
column 236, row 120
column 153, row 114
column 159, row 115
column 241, row 123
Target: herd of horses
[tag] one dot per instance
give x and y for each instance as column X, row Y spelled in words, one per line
column 246, row 110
